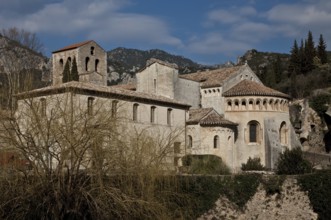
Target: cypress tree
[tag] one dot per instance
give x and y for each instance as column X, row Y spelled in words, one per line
column 310, row 52
column 66, row 73
column 294, row 68
column 302, row 58
column 74, row 71
column 321, row 50
column 294, row 63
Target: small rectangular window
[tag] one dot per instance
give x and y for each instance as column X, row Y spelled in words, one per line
column 177, row 147
column 153, row 114
column 114, row 108
column 169, row 115
column 135, row 112
column 90, row 105
column 43, row 107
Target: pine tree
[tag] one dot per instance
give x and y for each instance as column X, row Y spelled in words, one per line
column 294, row 63
column 321, row 50
column 66, row 73
column 74, row 72
column 310, row 52
column 294, row 68
column 302, row 58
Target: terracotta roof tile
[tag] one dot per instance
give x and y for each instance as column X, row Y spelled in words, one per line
column 195, row 115
column 214, row 119
column 207, row 117
column 248, row 87
column 102, row 90
column 129, row 86
column 212, row 78
column 73, row 46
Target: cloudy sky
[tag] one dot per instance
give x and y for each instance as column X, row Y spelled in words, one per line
column 206, row 31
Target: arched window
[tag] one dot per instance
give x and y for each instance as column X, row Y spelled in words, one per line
column 61, row 64
column 135, row 112
column 190, row 141
column 254, row 132
column 96, row 65
column 216, row 141
column 250, row 104
column 283, row 133
column 87, row 60
column 169, row 115
column 90, row 105
column 243, row 104
column 114, row 108
column 229, row 105
column 153, row 108
column 92, row 50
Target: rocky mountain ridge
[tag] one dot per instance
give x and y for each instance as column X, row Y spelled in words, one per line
column 124, row 63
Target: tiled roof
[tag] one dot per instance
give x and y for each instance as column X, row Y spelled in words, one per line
column 88, row 88
column 248, row 87
column 212, row 78
column 207, row 117
column 195, row 115
column 214, row 119
column 154, row 60
column 129, row 86
column 73, row 46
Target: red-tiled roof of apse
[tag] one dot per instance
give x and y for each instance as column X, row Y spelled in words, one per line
column 195, row 115
column 251, row 88
column 212, row 78
column 214, row 119
column 73, row 46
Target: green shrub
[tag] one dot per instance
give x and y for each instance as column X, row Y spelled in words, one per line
column 252, row 164
column 318, row 186
column 292, row 162
column 320, row 102
column 205, row 164
column 273, row 184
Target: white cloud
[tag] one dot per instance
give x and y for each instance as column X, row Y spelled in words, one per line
column 215, row 42
column 229, row 16
column 100, row 19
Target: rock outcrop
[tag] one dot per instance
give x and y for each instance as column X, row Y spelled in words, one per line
column 290, row 203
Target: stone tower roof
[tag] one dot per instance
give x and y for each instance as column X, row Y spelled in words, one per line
column 207, row 117
column 251, row 88
column 73, row 46
column 212, row 78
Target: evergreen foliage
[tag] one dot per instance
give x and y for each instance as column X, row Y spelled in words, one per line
column 292, row 162
column 252, row 164
column 320, row 103
column 310, row 52
column 74, row 71
column 294, row 68
column 318, row 186
column 321, row 50
column 66, row 73
column 205, row 164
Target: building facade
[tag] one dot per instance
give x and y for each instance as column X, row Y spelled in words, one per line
column 226, row 112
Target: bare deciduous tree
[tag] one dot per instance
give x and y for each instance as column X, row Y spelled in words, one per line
column 24, row 37
column 83, row 165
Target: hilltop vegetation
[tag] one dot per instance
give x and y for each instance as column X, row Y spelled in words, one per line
column 305, row 69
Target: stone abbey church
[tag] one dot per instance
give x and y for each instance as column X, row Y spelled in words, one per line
column 226, row 112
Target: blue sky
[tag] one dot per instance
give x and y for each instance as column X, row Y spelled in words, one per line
column 206, row 31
